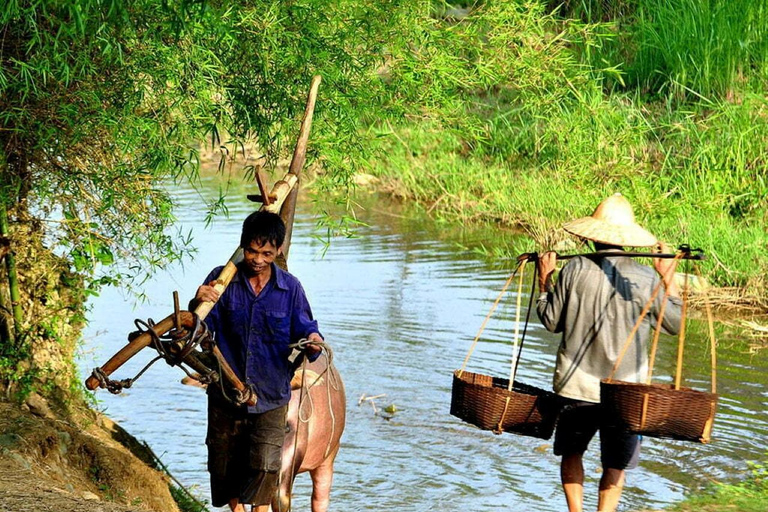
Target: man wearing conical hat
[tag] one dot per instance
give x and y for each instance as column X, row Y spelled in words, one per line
column 595, row 305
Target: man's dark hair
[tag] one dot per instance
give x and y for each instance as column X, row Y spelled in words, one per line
column 263, row 227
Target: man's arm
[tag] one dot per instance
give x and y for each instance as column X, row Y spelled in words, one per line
column 204, row 293
column 546, row 264
column 666, row 269
column 551, row 298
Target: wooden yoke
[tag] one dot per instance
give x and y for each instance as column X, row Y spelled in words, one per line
column 283, row 190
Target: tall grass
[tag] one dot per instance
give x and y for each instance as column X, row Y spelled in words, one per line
column 701, row 47
column 685, row 48
column 537, row 140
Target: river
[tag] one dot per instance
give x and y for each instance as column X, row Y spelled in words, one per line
column 400, row 304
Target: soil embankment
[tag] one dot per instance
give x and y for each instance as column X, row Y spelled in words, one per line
column 84, row 465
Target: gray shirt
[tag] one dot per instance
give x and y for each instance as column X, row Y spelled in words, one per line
column 595, row 304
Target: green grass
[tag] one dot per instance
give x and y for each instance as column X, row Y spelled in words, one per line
column 550, row 115
column 683, row 188
column 678, row 48
column 751, row 495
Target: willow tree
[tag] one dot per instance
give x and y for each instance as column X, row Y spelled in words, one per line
column 101, row 101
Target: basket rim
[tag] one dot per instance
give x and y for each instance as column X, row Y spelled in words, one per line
column 655, row 386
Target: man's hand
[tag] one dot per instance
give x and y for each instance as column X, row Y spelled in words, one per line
column 207, row 293
column 666, row 268
column 310, row 348
column 546, row 263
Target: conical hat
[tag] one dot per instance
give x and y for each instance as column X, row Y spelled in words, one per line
column 612, row 223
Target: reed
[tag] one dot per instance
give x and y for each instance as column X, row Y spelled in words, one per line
column 700, row 47
column 686, row 48
column 721, row 211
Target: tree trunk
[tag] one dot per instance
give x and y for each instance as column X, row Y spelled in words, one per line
column 13, row 282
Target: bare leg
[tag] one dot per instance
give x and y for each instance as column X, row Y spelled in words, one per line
column 611, row 485
column 236, row 506
column 572, row 476
column 322, row 478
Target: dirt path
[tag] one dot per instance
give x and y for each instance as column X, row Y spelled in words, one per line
column 84, row 465
column 21, row 490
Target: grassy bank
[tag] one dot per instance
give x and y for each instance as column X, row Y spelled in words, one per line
column 559, row 108
column 749, row 496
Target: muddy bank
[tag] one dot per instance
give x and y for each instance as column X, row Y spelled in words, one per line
column 87, row 464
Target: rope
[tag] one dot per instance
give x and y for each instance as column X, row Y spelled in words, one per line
column 333, row 382
column 173, row 346
column 528, row 314
column 487, row 317
column 643, row 313
column 656, row 333
column 681, row 336
column 516, row 358
column 712, row 341
column 513, row 366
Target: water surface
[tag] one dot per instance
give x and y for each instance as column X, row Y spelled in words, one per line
column 401, row 304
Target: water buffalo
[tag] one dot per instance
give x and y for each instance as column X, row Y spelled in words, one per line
column 316, row 419
column 315, row 422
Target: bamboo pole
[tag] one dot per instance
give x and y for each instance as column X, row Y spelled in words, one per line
column 534, row 256
column 282, row 197
column 279, row 192
column 297, row 163
column 221, row 283
column 13, row 280
column 681, row 337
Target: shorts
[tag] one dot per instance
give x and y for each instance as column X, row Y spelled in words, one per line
column 577, row 424
column 244, row 452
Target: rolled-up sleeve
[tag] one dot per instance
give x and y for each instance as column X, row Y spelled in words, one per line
column 302, row 322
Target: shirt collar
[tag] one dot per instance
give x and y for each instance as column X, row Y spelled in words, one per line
column 280, row 278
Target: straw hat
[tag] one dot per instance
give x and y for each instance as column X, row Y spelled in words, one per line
column 612, row 223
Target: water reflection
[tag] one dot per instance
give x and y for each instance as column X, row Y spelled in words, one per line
column 401, row 304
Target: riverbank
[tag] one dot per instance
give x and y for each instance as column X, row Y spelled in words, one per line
column 531, row 135
column 748, row 496
column 429, row 166
column 78, row 463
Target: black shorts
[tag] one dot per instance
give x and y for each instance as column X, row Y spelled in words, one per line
column 577, row 424
column 244, row 452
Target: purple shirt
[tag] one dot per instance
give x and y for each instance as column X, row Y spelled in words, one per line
column 254, row 331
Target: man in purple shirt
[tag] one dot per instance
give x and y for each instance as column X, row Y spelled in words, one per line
column 261, row 313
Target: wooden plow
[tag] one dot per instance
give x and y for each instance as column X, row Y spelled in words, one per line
column 182, row 338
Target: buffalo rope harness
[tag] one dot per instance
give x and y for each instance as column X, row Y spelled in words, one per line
column 179, row 347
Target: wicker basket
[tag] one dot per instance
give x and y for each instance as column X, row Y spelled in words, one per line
column 481, row 400
column 659, row 410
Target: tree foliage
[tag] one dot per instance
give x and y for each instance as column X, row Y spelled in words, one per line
column 102, row 102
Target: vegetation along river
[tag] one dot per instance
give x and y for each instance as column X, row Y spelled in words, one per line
column 400, row 305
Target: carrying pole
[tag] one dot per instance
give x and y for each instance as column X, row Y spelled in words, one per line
column 685, row 253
